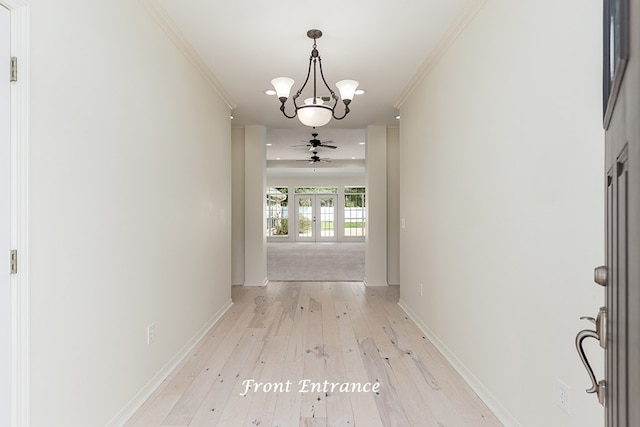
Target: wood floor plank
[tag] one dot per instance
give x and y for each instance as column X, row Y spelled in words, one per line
column 287, row 410
column 323, row 333
column 216, row 372
column 155, row 412
column 313, row 422
column 227, row 387
column 339, row 412
column 262, row 406
column 313, row 403
column 365, row 411
column 223, row 404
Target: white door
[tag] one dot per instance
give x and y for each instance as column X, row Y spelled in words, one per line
column 316, row 217
column 5, row 223
column 326, row 225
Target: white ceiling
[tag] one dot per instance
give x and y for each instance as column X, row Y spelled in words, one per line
column 246, row 43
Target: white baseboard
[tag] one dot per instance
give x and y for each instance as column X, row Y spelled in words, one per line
column 138, row 400
column 264, row 283
column 505, row 417
column 366, row 283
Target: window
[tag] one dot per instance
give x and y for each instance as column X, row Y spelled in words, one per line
column 316, row 190
column 354, row 212
column 277, row 211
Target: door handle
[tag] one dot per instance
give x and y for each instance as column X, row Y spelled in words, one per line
column 600, row 323
column 598, row 387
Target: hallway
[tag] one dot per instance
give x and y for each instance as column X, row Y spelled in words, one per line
column 140, row 200
column 338, row 332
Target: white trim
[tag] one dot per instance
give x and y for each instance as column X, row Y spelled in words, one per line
column 264, row 283
column 20, row 315
column 505, row 417
column 374, row 284
column 175, row 35
column 138, row 400
column 462, row 20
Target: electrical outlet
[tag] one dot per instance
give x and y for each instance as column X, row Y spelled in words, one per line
column 151, row 333
column 562, row 396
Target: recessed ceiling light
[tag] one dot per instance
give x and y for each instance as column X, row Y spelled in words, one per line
column 362, row 143
column 269, row 145
column 398, row 117
column 353, row 158
column 269, row 92
column 360, row 92
column 231, row 117
column 277, row 158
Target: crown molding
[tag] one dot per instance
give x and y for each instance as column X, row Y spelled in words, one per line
column 462, row 20
column 167, row 24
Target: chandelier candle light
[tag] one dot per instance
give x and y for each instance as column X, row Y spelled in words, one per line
column 314, row 112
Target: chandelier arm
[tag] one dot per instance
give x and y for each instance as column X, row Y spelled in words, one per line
column 333, row 94
column 295, row 111
column 299, row 92
column 346, row 111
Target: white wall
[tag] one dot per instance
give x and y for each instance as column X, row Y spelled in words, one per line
column 502, row 192
column 314, row 181
column 375, row 260
column 130, row 195
column 393, row 205
column 237, row 205
column 255, row 249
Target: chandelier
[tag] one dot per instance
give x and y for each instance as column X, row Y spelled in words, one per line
column 314, row 112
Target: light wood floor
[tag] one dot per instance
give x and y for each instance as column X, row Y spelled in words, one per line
column 316, row 331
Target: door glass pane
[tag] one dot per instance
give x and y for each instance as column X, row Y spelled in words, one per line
column 354, row 211
column 277, row 211
column 327, row 217
column 305, row 217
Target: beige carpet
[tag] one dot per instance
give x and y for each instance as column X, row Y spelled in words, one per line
column 334, row 262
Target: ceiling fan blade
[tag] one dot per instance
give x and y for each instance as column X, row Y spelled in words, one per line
column 333, row 147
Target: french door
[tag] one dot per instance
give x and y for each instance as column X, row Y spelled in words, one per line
column 316, row 217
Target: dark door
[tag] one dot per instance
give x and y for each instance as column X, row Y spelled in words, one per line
column 622, row 167
column 618, row 323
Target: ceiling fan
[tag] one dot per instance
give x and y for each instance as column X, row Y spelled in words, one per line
column 315, row 143
column 315, row 159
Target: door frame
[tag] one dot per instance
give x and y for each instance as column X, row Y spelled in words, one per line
column 19, row 164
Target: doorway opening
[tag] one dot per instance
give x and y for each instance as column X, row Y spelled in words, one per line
column 315, row 233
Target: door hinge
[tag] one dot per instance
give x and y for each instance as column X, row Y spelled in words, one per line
column 14, row 261
column 14, row 69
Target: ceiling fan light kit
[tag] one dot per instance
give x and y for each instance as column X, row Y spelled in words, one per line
column 314, row 112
